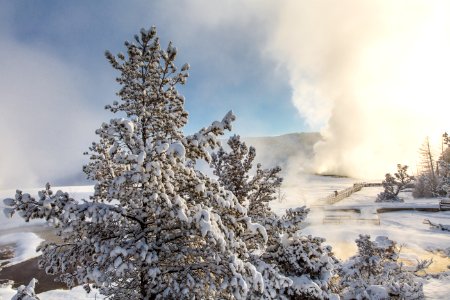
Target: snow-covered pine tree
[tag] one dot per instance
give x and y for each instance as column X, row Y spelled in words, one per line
column 254, row 188
column 393, row 185
column 233, row 171
column 26, row 292
column 254, row 192
column 309, row 263
column 293, row 266
column 444, row 167
column 444, row 180
column 155, row 227
column 375, row 273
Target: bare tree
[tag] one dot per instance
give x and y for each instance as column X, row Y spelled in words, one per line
column 427, row 180
column 427, row 163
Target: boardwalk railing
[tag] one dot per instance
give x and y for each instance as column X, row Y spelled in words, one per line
column 444, row 204
column 338, row 196
column 343, row 218
column 372, row 184
column 350, row 219
column 336, row 219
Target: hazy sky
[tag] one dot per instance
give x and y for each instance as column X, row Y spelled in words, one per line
column 228, row 67
column 55, row 80
column 368, row 74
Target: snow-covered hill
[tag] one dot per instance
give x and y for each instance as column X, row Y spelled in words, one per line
column 294, row 150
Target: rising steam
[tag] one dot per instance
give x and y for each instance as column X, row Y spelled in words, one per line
column 372, row 75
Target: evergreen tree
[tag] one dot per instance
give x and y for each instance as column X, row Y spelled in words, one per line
column 293, row 266
column 310, row 265
column 444, row 167
column 233, row 170
column 26, row 292
column 155, row 227
column 375, row 273
column 393, row 185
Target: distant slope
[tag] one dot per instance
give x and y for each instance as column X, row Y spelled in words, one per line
column 294, row 150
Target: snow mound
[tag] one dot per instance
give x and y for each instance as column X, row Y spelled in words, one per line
column 25, row 244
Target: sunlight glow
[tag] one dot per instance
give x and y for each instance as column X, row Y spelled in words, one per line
column 373, row 77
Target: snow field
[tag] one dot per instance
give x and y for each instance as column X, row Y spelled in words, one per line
column 404, row 227
column 24, row 244
column 77, row 293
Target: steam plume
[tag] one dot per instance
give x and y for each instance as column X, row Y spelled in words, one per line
column 372, row 75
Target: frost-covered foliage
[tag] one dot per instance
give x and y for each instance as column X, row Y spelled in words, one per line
column 427, row 183
column 438, row 226
column 233, row 171
column 423, row 187
column 275, row 283
column 444, row 167
column 375, row 273
column 156, row 227
column 393, row 185
column 434, row 182
column 444, row 173
column 26, row 292
column 293, row 266
column 308, row 263
column 254, row 191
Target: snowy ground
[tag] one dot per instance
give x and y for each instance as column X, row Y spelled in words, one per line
column 406, row 227
column 77, row 293
column 417, row 239
column 24, row 237
column 307, row 189
column 366, row 199
column 24, row 245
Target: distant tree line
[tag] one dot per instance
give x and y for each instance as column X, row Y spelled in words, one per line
column 433, row 173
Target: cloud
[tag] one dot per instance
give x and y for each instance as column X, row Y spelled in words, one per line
column 54, row 79
column 360, row 71
column 44, row 126
column 370, row 74
column 223, row 41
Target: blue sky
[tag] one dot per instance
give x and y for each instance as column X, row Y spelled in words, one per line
column 228, row 67
column 55, row 80
column 344, row 68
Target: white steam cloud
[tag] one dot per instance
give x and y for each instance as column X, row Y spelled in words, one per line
column 370, row 74
column 44, row 126
column 373, row 75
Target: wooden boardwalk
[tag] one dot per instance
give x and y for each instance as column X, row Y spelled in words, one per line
column 362, row 214
column 341, row 195
column 351, row 219
column 351, row 215
column 444, row 204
